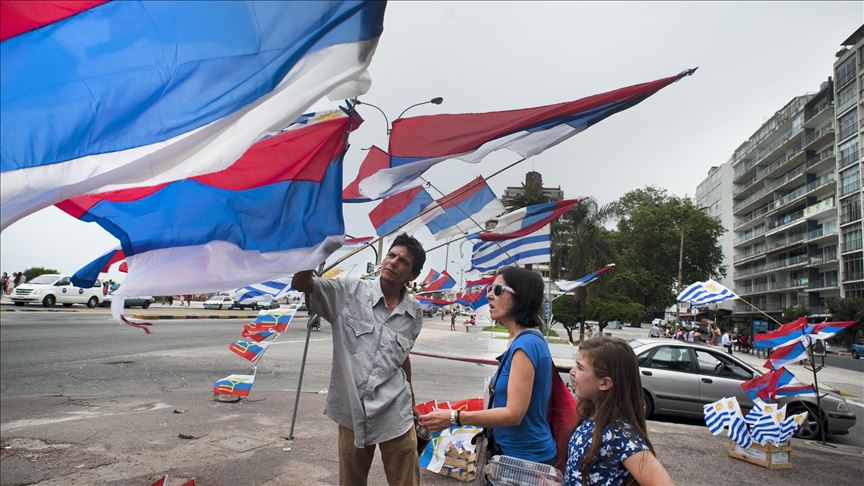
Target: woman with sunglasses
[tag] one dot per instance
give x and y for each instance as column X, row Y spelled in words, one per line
column 522, row 384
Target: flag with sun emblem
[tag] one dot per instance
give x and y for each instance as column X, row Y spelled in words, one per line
column 707, row 292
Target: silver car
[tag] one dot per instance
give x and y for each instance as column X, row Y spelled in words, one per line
column 678, row 378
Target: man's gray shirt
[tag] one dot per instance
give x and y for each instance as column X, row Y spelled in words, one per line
column 369, row 391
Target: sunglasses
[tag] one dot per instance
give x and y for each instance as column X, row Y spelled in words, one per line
column 497, row 290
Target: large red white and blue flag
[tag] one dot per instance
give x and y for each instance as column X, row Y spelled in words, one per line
column 93, row 98
column 786, row 354
column 524, row 221
column 86, row 276
column 475, row 296
column 275, row 211
column 786, row 334
column 568, row 285
column 396, row 211
column 774, row 383
column 827, row 330
column 418, row 143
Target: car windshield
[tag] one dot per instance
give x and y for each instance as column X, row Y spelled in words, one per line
column 44, row 279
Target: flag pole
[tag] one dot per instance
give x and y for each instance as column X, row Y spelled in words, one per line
column 309, row 321
column 760, row 311
column 429, row 209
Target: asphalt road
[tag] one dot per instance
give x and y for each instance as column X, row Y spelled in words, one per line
column 845, row 362
column 75, row 354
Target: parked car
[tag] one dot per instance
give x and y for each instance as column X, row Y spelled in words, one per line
column 858, row 349
column 678, row 378
column 50, row 289
column 267, row 304
column 219, row 302
column 143, row 301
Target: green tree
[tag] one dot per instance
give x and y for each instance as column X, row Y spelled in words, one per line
column 567, row 311
column 613, row 308
column 650, row 226
column 580, row 242
column 532, row 193
column 849, row 309
column 34, row 272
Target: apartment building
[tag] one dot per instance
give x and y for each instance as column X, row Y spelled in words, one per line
column 784, row 209
column 714, row 195
column 849, row 96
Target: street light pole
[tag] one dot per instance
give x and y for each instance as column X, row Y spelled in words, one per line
column 435, row 101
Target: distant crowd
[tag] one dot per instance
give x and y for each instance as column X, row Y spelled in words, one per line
column 712, row 336
column 9, row 283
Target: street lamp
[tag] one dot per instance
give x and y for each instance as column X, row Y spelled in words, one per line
column 434, row 101
column 680, row 285
column 461, row 271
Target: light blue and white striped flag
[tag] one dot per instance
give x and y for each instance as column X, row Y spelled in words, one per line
column 790, row 425
column 759, row 408
column 767, row 427
column 536, row 247
column 707, row 292
column 738, row 431
column 271, row 289
column 716, row 416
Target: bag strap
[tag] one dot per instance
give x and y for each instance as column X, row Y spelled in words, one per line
column 504, row 361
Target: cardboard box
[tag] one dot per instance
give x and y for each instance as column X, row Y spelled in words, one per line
column 767, row 456
column 459, row 465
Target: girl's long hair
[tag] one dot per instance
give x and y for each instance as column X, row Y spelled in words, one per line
column 614, row 358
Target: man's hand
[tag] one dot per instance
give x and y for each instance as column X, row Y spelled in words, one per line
column 302, row 281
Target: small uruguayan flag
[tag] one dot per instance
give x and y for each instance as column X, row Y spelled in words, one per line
column 716, row 416
column 790, row 426
column 706, row 292
column 738, row 431
column 766, row 429
column 536, row 247
column 759, row 407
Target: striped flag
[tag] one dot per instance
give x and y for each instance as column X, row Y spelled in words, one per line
column 765, row 429
column 827, row 330
column 428, row 302
column 568, row 285
column 395, row 211
column 790, row 425
column 457, row 212
column 717, row 416
column 234, row 385
column 431, row 277
column 87, row 275
column 249, row 350
column 525, row 221
column 418, row 143
column 787, row 354
column 443, row 282
column 786, row 334
column 706, row 292
column 121, row 101
column 759, row 407
column 738, row 431
column 487, row 256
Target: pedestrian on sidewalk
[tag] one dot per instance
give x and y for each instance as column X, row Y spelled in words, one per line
column 727, row 341
column 610, row 446
column 452, row 318
column 522, row 385
column 374, row 324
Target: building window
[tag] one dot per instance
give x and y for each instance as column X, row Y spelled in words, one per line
column 853, row 267
column 848, row 124
column 846, row 97
column 855, row 290
column 850, row 210
column 845, row 71
column 850, row 180
column 852, row 238
column 848, row 152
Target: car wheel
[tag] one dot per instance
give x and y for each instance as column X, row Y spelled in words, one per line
column 810, row 428
column 20, row 304
column 67, row 305
column 855, row 355
column 220, row 307
column 49, row 301
column 93, row 302
column 649, row 404
column 146, row 304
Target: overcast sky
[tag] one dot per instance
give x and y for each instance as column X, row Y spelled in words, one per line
column 485, row 56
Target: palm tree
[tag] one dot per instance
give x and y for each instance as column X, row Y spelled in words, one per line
column 532, row 193
column 580, row 242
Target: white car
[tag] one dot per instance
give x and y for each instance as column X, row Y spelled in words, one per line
column 50, row 289
column 219, row 302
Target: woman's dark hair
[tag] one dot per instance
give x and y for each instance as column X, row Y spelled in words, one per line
column 528, row 299
column 415, row 249
column 613, row 358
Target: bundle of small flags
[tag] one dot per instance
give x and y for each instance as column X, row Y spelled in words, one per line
column 764, row 423
column 268, row 325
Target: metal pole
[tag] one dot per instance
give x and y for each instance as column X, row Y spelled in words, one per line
column 680, row 279
column 300, row 381
column 380, row 253
column 819, row 417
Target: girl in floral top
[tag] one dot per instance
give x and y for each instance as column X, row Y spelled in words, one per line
column 610, row 447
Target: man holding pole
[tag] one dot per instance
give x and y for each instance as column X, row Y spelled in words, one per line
column 375, row 324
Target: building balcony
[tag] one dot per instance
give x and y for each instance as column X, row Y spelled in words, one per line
column 823, row 284
column 787, row 241
column 849, row 159
column 747, row 237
